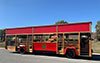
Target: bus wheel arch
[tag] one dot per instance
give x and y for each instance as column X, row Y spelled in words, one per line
column 70, row 53
column 22, row 50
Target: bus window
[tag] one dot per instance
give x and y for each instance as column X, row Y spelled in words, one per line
column 10, row 41
column 71, row 38
column 45, row 38
column 38, row 38
column 22, row 38
column 52, row 38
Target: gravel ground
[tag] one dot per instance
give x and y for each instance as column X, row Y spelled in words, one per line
column 8, row 57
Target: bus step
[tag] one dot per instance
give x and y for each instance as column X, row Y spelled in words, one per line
column 85, row 53
column 61, row 53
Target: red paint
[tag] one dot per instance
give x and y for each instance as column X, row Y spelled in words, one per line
column 27, row 30
column 49, row 46
column 74, row 28
column 45, row 29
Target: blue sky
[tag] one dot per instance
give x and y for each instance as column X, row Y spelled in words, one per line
column 18, row 13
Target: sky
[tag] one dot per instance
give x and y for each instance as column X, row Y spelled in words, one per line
column 22, row 13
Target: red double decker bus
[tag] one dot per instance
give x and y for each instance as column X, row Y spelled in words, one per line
column 71, row 40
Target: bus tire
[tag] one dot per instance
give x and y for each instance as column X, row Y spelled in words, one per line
column 70, row 54
column 22, row 51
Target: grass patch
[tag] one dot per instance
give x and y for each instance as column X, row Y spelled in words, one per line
column 2, row 45
column 96, row 46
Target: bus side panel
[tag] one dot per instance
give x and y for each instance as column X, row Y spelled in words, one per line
column 27, row 30
column 74, row 28
column 45, row 47
column 45, row 29
column 51, row 47
column 11, row 48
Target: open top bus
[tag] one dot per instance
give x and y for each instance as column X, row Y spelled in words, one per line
column 71, row 40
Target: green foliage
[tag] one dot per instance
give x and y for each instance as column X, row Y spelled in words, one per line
column 61, row 22
column 98, row 30
column 2, row 45
column 2, row 34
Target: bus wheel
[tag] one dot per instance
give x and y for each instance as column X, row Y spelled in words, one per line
column 70, row 54
column 22, row 51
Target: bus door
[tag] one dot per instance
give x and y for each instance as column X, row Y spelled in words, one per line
column 84, row 44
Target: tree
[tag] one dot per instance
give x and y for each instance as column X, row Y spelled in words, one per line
column 2, row 34
column 98, row 30
column 61, row 22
